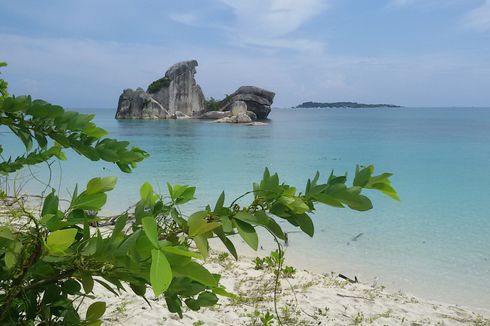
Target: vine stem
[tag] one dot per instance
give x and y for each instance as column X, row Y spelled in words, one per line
column 278, row 274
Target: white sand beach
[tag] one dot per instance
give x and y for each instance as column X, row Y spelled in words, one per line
column 304, row 299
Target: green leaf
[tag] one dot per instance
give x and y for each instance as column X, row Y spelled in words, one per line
column 362, row 177
column 221, row 291
column 220, row 203
column 10, row 259
column 248, row 233
column 150, row 228
column 305, row 223
column 207, row 299
column 97, row 185
column 198, row 273
column 58, row 241
column 6, row 233
column 202, row 245
column 181, row 251
column 119, row 226
column 71, row 286
column 226, row 223
column 87, row 282
column 227, row 242
column 183, row 194
column 146, row 191
column 89, row 201
column 198, row 224
column 50, row 205
column 270, row 224
column 160, row 272
column 95, row 311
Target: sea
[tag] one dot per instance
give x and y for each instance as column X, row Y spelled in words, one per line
column 435, row 243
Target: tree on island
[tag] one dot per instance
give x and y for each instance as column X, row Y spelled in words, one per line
column 353, row 105
column 51, row 259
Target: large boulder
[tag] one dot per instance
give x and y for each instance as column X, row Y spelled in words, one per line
column 137, row 104
column 177, row 91
column 238, row 107
column 257, row 100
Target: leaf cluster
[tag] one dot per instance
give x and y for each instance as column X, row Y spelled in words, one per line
column 51, row 260
column 46, row 130
column 158, row 84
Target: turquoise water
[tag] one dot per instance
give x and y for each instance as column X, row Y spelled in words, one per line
column 435, row 243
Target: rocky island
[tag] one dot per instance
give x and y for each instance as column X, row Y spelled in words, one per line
column 178, row 96
column 351, row 105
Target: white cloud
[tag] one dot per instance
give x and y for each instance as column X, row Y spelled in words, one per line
column 479, row 18
column 270, row 23
column 186, row 18
column 88, row 73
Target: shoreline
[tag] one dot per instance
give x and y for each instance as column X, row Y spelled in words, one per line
column 306, row 298
column 303, row 265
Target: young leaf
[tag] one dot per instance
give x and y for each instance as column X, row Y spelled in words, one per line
column 160, row 272
column 202, row 245
column 97, row 185
column 150, row 228
column 199, row 225
column 89, row 201
column 58, row 241
column 220, row 202
column 146, row 191
column 198, row 273
column 50, row 205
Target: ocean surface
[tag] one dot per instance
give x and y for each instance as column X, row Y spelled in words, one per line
column 435, row 243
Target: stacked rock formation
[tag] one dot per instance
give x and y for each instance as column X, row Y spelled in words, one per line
column 257, row 100
column 176, row 95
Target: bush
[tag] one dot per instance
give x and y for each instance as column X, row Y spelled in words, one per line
column 213, row 104
column 158, row 85
column 51, row 259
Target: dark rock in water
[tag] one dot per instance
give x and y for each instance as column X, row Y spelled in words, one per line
column 137, row 104
column 257, row 100
column 177, row 91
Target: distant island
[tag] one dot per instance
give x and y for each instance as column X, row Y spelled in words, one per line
column 353, row 105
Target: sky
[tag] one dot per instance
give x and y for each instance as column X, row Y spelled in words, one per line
column 82, row 54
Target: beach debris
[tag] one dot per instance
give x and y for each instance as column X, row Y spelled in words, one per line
column 357, row 236
column 355, row 280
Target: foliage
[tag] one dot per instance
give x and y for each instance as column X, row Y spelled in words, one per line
column 213, row 104
column 50, row 260
column 46, row 129
column 158, row 84
column 3, row 84
column 267, row 319
column 353, row 105
column 275, row 261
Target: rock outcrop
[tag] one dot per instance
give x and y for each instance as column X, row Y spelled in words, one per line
column 238, row 113
column 257, row 100
column 176, row 95
column 137, row 104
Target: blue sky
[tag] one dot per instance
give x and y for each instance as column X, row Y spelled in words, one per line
column 409, row 52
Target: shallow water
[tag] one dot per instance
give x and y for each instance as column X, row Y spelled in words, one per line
column 435, row 243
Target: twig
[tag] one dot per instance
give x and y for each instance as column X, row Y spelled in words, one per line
column 354, row 297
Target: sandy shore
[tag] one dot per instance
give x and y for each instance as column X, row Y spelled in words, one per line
column 304, row 299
